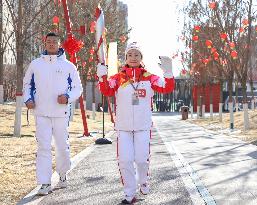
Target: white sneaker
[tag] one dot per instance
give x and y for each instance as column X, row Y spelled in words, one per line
column 144, row 189
column 44, row 190
column 62, row 181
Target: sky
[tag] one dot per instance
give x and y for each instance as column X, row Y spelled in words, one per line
column 156, row 28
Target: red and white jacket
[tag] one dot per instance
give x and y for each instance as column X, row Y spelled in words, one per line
column 131, row 117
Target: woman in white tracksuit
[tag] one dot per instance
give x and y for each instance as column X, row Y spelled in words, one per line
column 51, row 83
column 133, row 88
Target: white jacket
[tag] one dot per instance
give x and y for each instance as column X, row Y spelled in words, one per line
column 47, row 77
column 129, row 116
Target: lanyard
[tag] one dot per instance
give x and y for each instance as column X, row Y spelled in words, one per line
column 135, row 88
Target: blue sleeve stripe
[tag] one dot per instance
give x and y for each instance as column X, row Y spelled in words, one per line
column 69, row 80
column 32, row 88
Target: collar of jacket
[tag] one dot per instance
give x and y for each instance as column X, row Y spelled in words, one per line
column 130, row 72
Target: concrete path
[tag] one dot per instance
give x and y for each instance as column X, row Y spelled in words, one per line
column 226, row 166
column 189, row 166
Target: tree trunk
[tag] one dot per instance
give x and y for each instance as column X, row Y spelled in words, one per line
column 203, row 100
column 198, row 102
column 230, row 90
column 19, row 100
column 93, row 100
column 211, row 102
column 236, row 99
column 19, row 74
column 192, row 100
column 245, row 105
column 1, row 55
column 252, row 94
column 1, row 78
column 221, row 100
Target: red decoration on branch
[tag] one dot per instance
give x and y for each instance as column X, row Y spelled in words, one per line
column 92, row 50
column 216, row 55
column 195, row 38
column 245, row 22
column 72, row 45
column 123, row 39
column 234, row 54
column 90, row 59
column 223, row 36
column 208, row 43
column 197, row 28
column 232, row 45
column 212, row 5
column 56, row 20
column 213, row 50
column 205, row 61
column 241, row 30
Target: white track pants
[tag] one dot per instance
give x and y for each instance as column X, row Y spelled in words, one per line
column 46, row 128
column 133, row 156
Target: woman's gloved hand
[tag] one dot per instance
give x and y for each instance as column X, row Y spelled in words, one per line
column 166, row 66
column 101, row 70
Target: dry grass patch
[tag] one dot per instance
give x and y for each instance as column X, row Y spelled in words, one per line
column 17, row 155
column 224, row 126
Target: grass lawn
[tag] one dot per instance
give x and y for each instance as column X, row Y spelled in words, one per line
column 249, row 136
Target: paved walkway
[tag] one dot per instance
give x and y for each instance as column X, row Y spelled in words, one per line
column 189, row 166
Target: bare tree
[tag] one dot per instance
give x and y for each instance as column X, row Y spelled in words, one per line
column 21, row 24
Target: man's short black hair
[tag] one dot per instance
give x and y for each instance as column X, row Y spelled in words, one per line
column 52, row 34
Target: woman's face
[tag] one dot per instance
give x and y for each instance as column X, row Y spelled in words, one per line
column 133, row 58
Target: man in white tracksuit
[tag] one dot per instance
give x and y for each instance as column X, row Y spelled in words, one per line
column 51, row 83
column 133, row 88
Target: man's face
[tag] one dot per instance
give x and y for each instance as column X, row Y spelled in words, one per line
column 52, row 45
column 133, row 58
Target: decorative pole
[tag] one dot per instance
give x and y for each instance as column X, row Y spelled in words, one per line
column 101, row 54
column 76, row 46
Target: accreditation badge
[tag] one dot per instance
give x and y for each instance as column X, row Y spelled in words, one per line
column 135, row 99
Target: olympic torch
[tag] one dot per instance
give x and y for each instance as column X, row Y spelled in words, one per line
column 101, row 53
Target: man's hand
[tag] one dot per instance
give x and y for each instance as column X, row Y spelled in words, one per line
column 30, row 104
column 62, row 99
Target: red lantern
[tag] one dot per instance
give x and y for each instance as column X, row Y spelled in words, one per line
column 232, row 45
column 92, row 26
column 56, row 20
column 84, row 64
column 92, row 50
column 234, row 54
column 195, row 38
column 197, row 28
column 205, row 61
column 91, row 59
column 212, row 5
column 213, row 50
column 241, row 30
column 123, row 39
column 245, row 22
column 216, row 55
column 223, row 36
column 208, row 43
